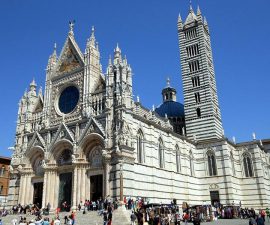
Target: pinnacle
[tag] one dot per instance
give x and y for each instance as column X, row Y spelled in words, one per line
column 199, row 10
column 33, row 83
column 179, row 18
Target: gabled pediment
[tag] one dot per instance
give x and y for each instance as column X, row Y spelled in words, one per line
column 92, row 126
column 37, row 140
column 70, row 58
column 62, row 133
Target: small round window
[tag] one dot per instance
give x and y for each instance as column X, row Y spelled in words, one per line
column 68, row 99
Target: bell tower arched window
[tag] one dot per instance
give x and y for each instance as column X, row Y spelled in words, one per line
column 161, row 154
column 212, row 167
column 247, row 165
column 140, row 147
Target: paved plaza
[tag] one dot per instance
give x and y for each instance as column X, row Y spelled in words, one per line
column 119, row 218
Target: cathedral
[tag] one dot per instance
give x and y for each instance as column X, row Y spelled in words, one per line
column 86, row 137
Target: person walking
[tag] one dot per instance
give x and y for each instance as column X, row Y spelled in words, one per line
column 109, row 218
column 252, row 221
column 260, row 220
column 133, row 218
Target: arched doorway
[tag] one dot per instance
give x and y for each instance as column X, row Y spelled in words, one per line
column 96, row 173
column 64, row 162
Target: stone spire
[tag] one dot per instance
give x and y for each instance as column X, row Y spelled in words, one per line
column 33, row 88
column 92, row 39
column 179, row 22
column 53, row 58
column 199, row 14
column 117, row 54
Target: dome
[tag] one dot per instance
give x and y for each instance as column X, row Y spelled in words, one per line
column 171, row 108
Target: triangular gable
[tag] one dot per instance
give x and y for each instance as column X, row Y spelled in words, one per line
column 92, row 126
column 70, row 58
column 36, row 140
column 62, row 133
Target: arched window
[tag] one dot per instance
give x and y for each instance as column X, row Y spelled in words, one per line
column 178, row 159
column 161, row 154
column 232, row 162
column 247, row 165
column 191, row 166
column 212, row 167
column 140, row 147
column 198, row 110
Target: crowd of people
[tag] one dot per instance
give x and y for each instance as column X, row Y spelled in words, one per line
column 142, row 213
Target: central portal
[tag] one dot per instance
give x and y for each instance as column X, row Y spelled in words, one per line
column 96, row 187
column 65, row 190
column 38, row 190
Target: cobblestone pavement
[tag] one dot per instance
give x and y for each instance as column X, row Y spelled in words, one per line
column 92, row 218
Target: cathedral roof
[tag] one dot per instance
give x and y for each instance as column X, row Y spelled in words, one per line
column 171, row 108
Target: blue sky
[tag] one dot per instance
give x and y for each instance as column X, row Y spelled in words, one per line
column 146, row 32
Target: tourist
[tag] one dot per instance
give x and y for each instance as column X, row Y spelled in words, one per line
column 57, row 221
column 32, row 222
column 14, row 221
column 105, row 218
column 46, row 221
column 109, row 218
column 73, row 217
column 133, row 218
column 252, row 221
column 268, row 214
column 260, row 220
column 263, row 214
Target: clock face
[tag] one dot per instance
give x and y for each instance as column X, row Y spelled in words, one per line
column 68, row 99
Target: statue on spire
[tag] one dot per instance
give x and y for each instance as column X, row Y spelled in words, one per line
column 168, row 82
column 71, row 27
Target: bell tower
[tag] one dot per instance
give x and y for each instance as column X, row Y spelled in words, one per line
column 202, row 112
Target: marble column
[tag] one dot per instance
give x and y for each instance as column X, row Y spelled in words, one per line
column 21, row 192
column 106, row 179
column 56, row 190
column 83, row 184
column 87, row 188
column 79, row 185
column 44, row 195
column 74, row 197
column 24, row 190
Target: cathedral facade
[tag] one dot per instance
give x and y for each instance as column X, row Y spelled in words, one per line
column 86, row 137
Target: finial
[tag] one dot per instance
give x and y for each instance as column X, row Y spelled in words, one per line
column 93, row 29
column 190, row 6
column 179, row 18
column 55, row 46
column 166, row 116
column 168, row 82
column 261, row 143
column 33, row 83
column 117, row 49
column 71, row 26
column 138, row 98
column 233, row 139
column 254, row 136
column 153, row 108
column 199, row 10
